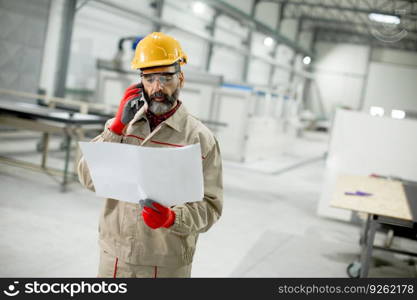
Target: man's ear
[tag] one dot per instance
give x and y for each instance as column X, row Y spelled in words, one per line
column 181, row 78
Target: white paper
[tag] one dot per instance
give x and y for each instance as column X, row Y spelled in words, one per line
column 170, row 176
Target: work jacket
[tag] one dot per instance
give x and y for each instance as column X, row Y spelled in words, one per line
column 122, row 231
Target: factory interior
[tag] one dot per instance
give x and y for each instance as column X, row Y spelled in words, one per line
column 313, row 104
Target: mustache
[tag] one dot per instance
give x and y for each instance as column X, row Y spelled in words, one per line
column 158, row 94
column 167, row 98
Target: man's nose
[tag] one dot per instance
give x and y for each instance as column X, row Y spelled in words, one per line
column 157, row 86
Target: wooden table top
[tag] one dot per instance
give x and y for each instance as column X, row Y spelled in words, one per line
column 388, row 196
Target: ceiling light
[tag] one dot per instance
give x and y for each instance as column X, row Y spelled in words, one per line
column 306, row 60
column 376, row 111
column 388, row 19
column 397, row 114
column 268, row 41
column 198, row 8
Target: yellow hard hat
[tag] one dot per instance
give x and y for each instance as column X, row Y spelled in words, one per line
column 158, row 49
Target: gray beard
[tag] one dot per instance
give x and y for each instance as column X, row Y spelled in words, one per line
column 159, row 108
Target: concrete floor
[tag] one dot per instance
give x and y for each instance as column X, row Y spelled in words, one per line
column 269, row 227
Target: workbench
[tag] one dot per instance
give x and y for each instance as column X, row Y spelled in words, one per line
column 49, row 121
column 391, row 203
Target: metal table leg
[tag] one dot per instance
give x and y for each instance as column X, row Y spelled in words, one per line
column 368, row 238
column 79, row 135
column 45, row 145
column 67, row 158
column 366, row 229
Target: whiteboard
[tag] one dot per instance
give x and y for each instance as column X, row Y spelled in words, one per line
column 391, row 86
column 361, row 145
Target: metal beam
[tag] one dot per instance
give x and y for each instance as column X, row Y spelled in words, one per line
column 352, row 23
column 137, row 14
column 251, row 22
column 353, row 37
column 294, row 58
column 211, row 28
column 281, row 9
column 343, row 16
column 248, row 43
column 348, row 8
column 158, row 6
column 365, row 79
column 64, row 47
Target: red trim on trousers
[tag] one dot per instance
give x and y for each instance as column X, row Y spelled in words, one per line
column 115, row 267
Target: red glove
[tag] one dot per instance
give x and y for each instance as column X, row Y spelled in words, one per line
column 132, row 101
column 156, row 215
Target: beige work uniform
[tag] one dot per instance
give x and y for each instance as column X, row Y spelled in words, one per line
column 124, row 237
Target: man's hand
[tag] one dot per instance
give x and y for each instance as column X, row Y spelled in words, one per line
column 156, row 215
column 130, row 104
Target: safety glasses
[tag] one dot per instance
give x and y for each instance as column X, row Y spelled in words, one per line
column 163, row 78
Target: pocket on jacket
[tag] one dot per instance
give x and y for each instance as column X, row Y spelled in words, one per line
column 111, row 218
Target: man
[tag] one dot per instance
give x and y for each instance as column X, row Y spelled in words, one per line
column 154, row 240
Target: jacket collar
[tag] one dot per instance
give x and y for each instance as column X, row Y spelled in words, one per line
column 176, row 121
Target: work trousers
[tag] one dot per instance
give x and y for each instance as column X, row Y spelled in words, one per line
column 111, row 267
